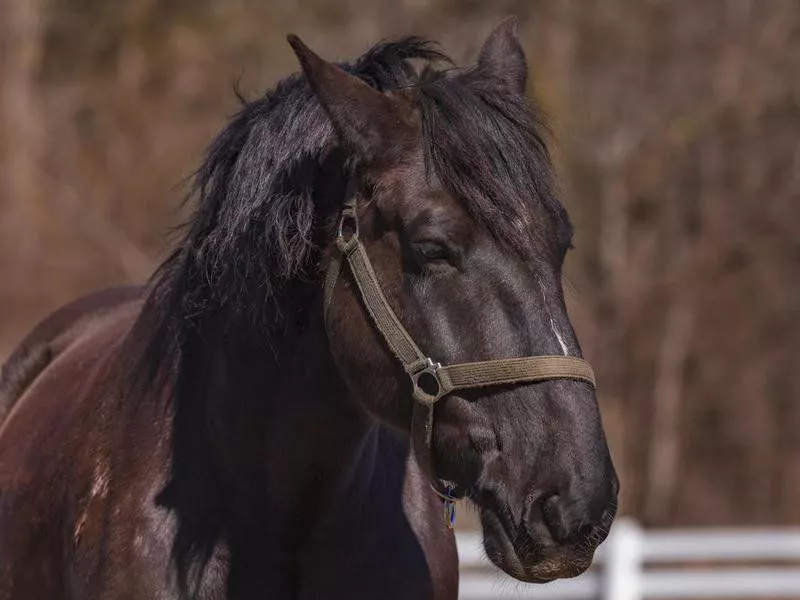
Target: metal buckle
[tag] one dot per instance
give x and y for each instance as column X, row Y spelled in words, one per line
column 427, row 388
column 347, row 232
column 348, row 216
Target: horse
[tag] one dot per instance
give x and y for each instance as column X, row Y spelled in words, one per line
column 261, row 421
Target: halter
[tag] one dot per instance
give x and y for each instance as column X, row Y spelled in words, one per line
column 430, row 380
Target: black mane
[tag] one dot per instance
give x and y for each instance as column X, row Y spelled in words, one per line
column 486, row 145
column 246, row 269
column 251, row 233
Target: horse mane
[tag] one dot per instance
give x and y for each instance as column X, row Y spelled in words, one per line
column 245, row 271
column 251, row 230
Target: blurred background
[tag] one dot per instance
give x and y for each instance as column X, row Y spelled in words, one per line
column 676, row 129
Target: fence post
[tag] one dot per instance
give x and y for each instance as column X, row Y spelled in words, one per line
column 622, row 576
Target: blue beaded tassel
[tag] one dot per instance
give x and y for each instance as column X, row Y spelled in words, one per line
column 450, row 508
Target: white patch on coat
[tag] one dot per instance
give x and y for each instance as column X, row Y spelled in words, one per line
column 100, row 480
column 553, row 325
column 558, row 337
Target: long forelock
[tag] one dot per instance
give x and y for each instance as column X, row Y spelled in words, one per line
column 487, row 146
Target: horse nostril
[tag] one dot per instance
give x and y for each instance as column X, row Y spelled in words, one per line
column 556, row 519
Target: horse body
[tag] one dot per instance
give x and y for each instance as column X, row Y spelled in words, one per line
column 84, row 521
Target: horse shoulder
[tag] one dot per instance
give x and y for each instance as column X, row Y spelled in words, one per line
column 56, row 442
column 50, row 337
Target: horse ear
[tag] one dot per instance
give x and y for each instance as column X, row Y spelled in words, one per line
column 502, row 56
column 365, row 119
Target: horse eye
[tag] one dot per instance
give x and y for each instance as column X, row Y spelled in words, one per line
column 431, row 251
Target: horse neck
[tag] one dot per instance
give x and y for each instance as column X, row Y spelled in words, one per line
column 298, row 431
column 313, row 415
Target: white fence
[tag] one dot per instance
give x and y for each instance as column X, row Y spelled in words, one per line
column 692, row 563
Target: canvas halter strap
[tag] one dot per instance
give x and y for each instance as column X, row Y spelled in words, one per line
column 430, row 381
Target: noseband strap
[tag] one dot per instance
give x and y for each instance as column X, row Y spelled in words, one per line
column 430, row 380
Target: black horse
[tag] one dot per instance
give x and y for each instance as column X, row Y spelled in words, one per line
column 240, row 430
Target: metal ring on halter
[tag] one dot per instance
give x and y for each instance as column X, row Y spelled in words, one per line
column 348, row 232
column 427, row 387
column 348, row 217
